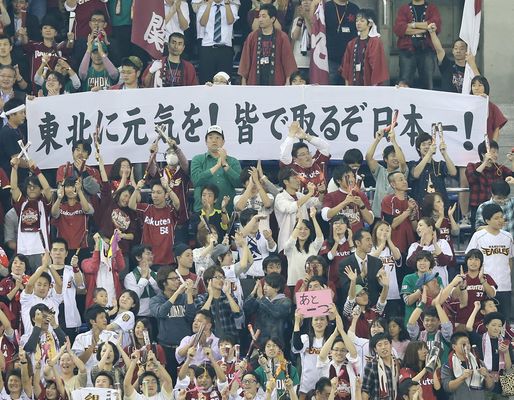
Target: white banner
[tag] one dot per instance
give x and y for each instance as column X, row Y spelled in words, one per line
column 255, row 120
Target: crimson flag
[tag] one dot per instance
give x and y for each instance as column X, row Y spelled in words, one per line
column 318, row 71
column 148, row 26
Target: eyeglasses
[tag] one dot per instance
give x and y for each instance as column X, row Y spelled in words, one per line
column 175, row 278
column 220, row 277
column 339, row 350
column 248, row 381
column 101, row 20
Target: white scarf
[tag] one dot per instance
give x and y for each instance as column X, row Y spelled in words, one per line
column 476, row 380
column 487, row 351
column 104, row 276
column 382, row 378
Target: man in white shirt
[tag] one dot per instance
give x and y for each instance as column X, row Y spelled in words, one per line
column 142, row 279
column 290, row 202
column 497, row 247
column 38, row 290
column 72, row 279
column 85, row 344
column 216, row 18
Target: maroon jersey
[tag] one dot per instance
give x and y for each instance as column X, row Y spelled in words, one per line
column 9, row 350
column 71, row 225
column 36, row 51
column 344, row 388
column 314, row 174
column 403, row 234
column 352, row 211
column 179, row 182
column 30, row 216
column 6, row 286
column 475, row 293
column 83, row 13
column 343, row 251
column 158, row 231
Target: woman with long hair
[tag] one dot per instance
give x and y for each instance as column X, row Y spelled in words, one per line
column 385, row 249
column 308, row 346
column 12, row 285
column 400, row 338
column 306, row 240
column 338, row 246
column 121, row 174
column 413, row 367
column 428, row 240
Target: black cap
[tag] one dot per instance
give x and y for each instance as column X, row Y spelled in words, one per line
column 179, row 248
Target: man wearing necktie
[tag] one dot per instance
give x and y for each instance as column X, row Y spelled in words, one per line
column 217, row 19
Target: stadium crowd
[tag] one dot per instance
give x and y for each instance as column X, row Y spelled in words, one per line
column 192, row 281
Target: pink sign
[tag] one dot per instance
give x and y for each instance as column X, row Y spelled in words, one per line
column 314, row 303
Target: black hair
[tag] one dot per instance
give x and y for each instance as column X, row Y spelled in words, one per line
column 138, row 250
column 338, row 217
column 297, row 146
column 245, row 175
column 276, row 281
column 7, row 66
column 127, row 62
column 422, row 137
column 275, row 339
column 457, row 335
column 474, row 253
column 60, row 78
column 430, row 311
column 86, row 145
column 202, row 369
column 211, row 271
column 489, row 210
column 284, row 174
column 302, row 75
column 404, row 334
column 207, row 314
column 92, row 313
column 270, row 9
column 321, row 260
column 41, row 307
column 23, row 258
column 212, row 188
column 60, row 240
column 411, row 357
column 357, row 236
column 367, row 14
column 317, row 278
column 339, row 172
column 424, row 254
column 246, row 215
column 483, row 80
column 5, row 37
column 500, row 188
column 98, row 12
column 116, row 352
column 312, row 235
column 491, row 316
column 13, row 372
column 46, row 275
column 482, row 148
column 163, row 273
column 32, row 180
column 149, row 373
column 321, row 384
column 353, row 156
column 271, row 259
column 115, row 175
column 377, row 338
column 11, row 104
column 135, row 299
column 387, row 151
column 177, row 35
column 104, row 373
column 98, row 290
column 228, row 338
column 117, row 194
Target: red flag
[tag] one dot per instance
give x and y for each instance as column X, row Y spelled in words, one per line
column 318, row 71
column 470, row 33
column 148, row 26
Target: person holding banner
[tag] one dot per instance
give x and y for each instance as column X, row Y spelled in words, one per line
column 130, row 71
column 394, row 160
column 267, row 58
column 364, row 62
column 427, row 175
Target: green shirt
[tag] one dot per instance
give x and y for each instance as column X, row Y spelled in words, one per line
column 281, row 379
column 226, row 181
column 409, row 287
column 96, row 78
column 123, row 18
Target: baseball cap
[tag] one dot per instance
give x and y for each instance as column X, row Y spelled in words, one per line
column 219, row 250
column 215, row 129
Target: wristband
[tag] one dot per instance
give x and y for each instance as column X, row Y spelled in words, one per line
column 421, row 305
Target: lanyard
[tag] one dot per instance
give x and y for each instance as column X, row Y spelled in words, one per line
column 340, row 19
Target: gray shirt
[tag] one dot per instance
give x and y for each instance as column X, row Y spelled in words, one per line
column 463, row 392
column 382, row 188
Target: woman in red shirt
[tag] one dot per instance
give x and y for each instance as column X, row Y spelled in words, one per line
column 12, row 286
column 413, row 367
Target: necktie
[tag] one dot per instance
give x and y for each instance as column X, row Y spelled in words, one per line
column 364, row 269
column 217, row 24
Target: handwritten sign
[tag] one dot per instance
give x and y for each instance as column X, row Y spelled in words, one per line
column 314, row 303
